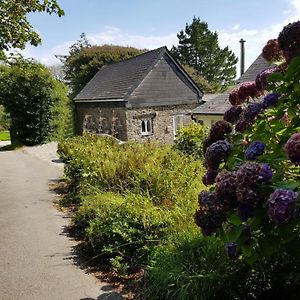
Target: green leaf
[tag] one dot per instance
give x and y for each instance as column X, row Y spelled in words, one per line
column 275, row 77
column 269, row 245
column 234, row 233
column 234, row 219
column 289, row 185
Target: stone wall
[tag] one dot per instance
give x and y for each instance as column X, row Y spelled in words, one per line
column 162, row 121
column 101, row 118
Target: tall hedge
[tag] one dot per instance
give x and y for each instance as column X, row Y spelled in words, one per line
column 37, row 103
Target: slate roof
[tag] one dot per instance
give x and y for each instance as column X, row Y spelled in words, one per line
column 257, row 66
column 219, row 104
column 116, row 81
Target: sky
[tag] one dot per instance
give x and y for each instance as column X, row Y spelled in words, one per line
column 151, row 24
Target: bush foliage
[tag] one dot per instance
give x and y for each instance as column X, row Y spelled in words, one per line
column 189, row 139
column 129, row 197
column 37, row 103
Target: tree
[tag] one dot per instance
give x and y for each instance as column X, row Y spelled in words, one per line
column 201, row 82
column 37, row 103
column 15, row 29
column 199, row 48
column 84, row 61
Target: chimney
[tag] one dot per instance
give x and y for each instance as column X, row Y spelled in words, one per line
column 242, row 41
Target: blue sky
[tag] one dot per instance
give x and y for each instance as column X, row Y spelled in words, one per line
column 151, row 24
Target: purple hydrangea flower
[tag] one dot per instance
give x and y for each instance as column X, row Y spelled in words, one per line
column 232, row 114
column 210, row 216
column 248, row 175
column 252, row 111
column 261, row 79
column 226, row 183
column 206, row 143
column 271, row 100
column 234, row 97
column 255, row 149
column 245, row 212
column 217, row 153
column 266, row 173
column 292, row 148
column 282, row 206
column 247, row 90
column 231, row 250
column 219, row 129
column 271, row 52
column 242, row 125
column 289, row 40
column 210, row 176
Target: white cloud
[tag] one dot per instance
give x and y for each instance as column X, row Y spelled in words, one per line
column 236, row 27
column 256, row 39
column 112, row 35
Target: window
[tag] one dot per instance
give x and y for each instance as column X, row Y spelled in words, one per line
column 146, row 126
column 178, row 122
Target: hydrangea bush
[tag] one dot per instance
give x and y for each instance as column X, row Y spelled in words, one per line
column 253, row 158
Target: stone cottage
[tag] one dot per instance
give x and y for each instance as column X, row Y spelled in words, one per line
column 214, row 109
column 144, row 98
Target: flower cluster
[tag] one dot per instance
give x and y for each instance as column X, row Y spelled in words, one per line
column 266, row 173
column 271, row 52
column 226, row 183
column 234, row 97
column 217, row 153
column 248, row 116
column 245, row 91
column 262, row 78
column 271, row 100
column 233, row 114
column 282, row 206
column 289, row 40
column 219, row 130
column 242, row 125
column 250, row 175
column 252, row 111
column 292, row 148
column 210, row 214
column 210, row 176
column 255, row 149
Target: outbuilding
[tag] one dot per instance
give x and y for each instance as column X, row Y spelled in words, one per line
column 144, row 98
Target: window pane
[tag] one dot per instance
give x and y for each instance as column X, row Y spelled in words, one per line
column 148, row 126
column 143, row 126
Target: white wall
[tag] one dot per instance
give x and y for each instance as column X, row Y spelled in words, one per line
column 208, row 120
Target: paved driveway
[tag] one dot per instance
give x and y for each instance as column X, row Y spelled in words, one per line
column 36, row 260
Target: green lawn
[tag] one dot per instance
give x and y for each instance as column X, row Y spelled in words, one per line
column 4, row 136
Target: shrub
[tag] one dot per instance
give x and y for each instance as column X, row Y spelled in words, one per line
column 38, row 104
column 101, row 164
column 129, row 198
column 196, row 268
column 122, row 229
column 189, row 140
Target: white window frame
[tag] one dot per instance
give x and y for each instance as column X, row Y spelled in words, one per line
column 148, row 126
column 178, row 122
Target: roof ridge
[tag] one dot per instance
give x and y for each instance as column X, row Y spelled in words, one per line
column 135, row 57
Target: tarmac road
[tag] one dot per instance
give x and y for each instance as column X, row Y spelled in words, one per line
column 36, row 260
